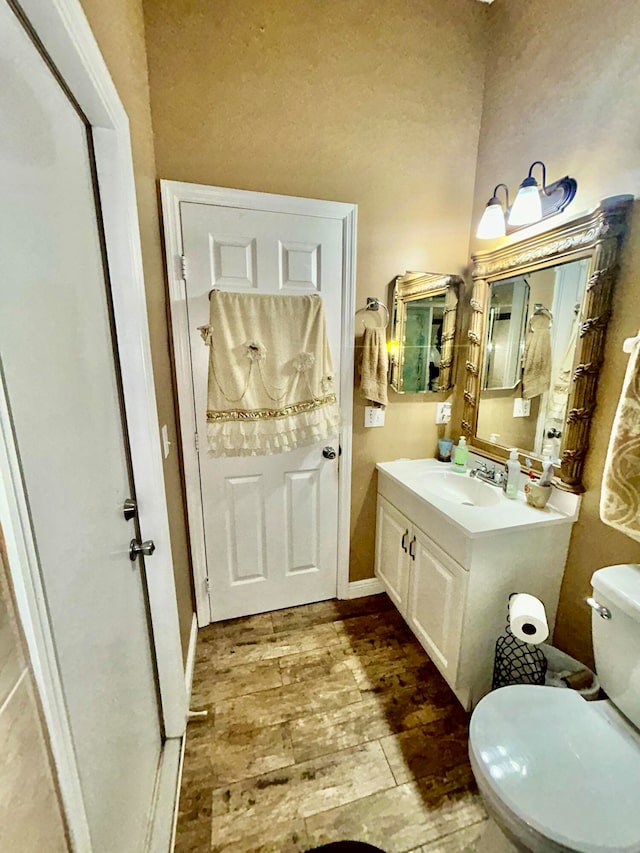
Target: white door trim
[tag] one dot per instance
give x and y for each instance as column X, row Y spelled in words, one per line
column 66, row 36
column 173, row 194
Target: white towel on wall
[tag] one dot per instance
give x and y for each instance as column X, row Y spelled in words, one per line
column 270, row 385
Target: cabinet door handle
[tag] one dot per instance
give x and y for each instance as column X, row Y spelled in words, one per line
column 404, row 544
column 411, row 551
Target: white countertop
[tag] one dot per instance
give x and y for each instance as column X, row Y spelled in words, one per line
column 502, row 516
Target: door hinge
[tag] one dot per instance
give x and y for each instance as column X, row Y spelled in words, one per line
column 197, row 441
column 183, row 267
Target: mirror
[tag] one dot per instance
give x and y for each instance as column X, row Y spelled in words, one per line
column 539, row 314
column 504, row 344
column 424, row 308
column 529, row 348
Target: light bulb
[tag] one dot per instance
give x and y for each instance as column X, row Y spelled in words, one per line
column 492, row 223
column 527, row 208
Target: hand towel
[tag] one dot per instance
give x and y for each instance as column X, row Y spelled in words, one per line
column 270, row 383
column 620, row 495
column 536, row 376
column 375, row 365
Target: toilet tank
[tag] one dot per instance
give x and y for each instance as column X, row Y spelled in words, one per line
column 616, row 641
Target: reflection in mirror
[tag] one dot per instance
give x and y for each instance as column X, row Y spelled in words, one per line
column 422, row 345
column 423, row 328
column 505, row 346
column 530, row 344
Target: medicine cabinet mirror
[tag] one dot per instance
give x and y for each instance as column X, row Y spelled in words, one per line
column 539, row 314
column 424, row 310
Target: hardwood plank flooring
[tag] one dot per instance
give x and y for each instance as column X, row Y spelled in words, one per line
column 326, row 722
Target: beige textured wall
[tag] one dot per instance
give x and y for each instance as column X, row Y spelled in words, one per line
column 373, row 103
column 563, row 85
column 119, row 30
column 30, row 813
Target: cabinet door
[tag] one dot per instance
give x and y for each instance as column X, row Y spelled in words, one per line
column 436, row 603
column 392, row 558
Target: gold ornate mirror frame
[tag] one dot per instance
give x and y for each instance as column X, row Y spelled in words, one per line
column 420, row 285
column 596, row 235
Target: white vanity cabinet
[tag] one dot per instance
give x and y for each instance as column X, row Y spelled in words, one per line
column 436, row 602
column 393, row 535
column 424, row 583
column 450, row 568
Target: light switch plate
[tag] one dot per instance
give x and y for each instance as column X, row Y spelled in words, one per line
column 443, row 413
column 373, row 416
column 521, row 408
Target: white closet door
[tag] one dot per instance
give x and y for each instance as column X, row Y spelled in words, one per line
column 60, row 371
column 270, row 522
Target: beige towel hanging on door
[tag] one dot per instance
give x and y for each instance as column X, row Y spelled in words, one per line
column 270, row 385
column 375, row 365
column 620, row 495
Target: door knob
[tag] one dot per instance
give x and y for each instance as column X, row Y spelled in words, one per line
column 136, row 548
column 329, row 453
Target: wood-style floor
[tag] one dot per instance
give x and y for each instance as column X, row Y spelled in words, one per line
column 326, row 722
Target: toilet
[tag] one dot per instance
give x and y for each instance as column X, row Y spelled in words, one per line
column 558, row 773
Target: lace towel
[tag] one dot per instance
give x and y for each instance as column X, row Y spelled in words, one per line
column 620, row 495
column 270, row 384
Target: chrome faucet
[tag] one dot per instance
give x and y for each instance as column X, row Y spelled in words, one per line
column 493, row 476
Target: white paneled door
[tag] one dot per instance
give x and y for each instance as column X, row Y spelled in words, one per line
column 270, row 523
column 60, row 372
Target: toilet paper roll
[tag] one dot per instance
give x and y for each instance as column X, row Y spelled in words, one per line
column 527, row 618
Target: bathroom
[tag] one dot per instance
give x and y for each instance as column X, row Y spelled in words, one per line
column 413, row 110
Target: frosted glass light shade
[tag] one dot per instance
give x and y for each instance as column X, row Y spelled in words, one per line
column 527, row 208
column 492, row 223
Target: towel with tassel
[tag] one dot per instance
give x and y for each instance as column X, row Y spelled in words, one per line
column 620, row 495
column 375, row 365
column 536, row 376
column 270, row 384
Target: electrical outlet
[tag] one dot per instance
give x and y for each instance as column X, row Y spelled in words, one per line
column 521, row 408
column 443, row 413
column 373, row 416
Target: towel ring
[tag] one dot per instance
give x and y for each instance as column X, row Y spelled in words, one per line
column 540, row 311
column 374, row 304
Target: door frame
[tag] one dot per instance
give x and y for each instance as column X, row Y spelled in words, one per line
column 173, row 194
column 65, row 34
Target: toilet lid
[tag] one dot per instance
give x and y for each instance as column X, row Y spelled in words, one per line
column 566, row 770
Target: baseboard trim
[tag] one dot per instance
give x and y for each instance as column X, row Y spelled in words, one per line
column 368, row 586
column 191, row 658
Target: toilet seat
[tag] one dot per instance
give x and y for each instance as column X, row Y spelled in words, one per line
column 567, row 771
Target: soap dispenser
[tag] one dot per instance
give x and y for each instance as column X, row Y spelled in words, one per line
column 512, row 480
column 460, row 456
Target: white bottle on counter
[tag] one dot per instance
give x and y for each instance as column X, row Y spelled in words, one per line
column 513, row 474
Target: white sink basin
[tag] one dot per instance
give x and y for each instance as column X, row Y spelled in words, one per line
column 459, row 489
column 439, row 496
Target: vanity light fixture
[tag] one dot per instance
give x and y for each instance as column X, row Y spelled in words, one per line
column 532, row 204
column 493, row 223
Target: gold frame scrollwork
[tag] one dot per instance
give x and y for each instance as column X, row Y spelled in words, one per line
column 418, row 285
column 596, row 235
